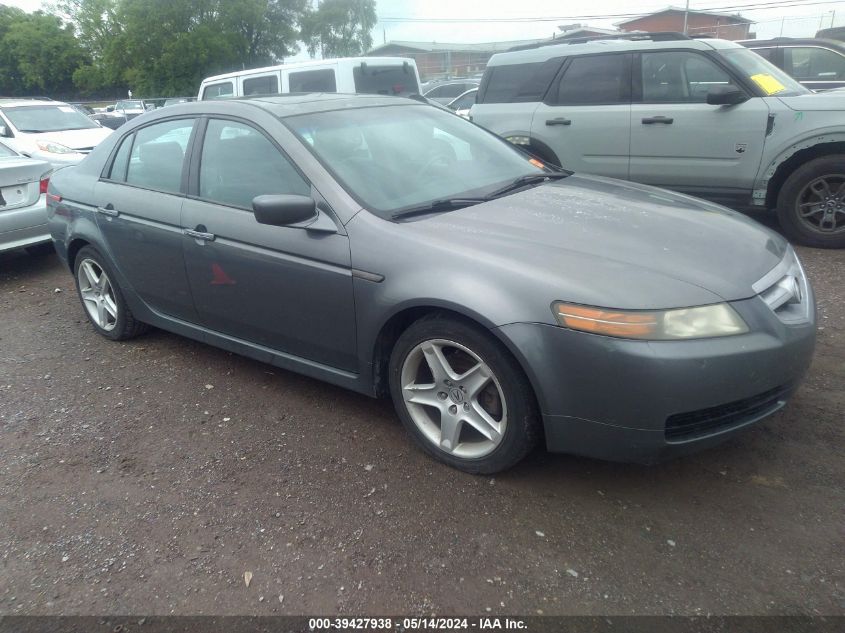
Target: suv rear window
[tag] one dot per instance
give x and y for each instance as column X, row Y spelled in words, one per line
column 385, row 80
column 312, row 81
column 216, row 91
column 595, row 79
column 518, row 83
column 266, row 85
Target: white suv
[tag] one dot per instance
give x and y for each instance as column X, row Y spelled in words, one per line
column 48, row 130
column 705, row 117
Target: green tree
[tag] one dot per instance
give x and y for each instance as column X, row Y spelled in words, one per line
column 340, row 28
column 166, row 47
column 38, row 54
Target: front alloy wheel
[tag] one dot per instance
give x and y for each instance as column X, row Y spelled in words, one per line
column 454, row 398
column 811, row 203
column 462, row 396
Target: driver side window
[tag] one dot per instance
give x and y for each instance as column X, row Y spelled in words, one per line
column 239, row 163
column 679, row 77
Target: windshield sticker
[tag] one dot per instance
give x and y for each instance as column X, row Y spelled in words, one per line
column 769, row 84
column 536, row 163
column 65, row 109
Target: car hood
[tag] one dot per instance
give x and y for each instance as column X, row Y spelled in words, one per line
column 611, row 243
column 75, row 139
column 815, row 102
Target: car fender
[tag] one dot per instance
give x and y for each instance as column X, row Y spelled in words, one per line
column 832, row 134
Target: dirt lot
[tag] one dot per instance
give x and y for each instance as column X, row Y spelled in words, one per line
column 147, row 477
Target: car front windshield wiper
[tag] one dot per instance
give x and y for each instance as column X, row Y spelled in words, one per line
column 524, row 181
column 446, row 204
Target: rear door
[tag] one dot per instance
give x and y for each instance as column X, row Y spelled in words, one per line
column 585, row 118
column 139, row 200
column 679, row 141
column 283, row 287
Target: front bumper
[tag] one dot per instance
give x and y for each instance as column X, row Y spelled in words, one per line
column 25, row 226
column 643, row 401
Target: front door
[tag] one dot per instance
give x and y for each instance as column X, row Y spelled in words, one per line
column 139, row 202
column 285, row 288
column 585, row 118
column 680, row 142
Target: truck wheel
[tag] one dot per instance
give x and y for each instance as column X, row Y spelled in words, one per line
column 811, row 204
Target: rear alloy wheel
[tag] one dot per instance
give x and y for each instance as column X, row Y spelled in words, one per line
column 463, row 398
column 102, row 299
column 811, row 205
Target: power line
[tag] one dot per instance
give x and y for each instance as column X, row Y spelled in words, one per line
column 606, row 16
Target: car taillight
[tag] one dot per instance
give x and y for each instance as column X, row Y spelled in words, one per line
column 45, row 182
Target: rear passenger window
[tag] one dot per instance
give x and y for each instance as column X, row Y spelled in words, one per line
column 239, row 162
column 121, row 160
column 518, row 83
column 261, row 85
column 596, row 80
column 218, row 91
column 313, row 81
column 158, row 154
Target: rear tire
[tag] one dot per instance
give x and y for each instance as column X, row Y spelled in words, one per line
column 461, row 396
column 811, row 203
column 102, row 299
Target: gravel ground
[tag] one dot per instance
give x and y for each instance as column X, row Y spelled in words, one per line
column 150, row 476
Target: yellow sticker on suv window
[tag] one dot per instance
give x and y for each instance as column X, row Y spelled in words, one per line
column 769, row 84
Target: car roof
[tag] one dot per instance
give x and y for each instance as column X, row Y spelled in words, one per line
column 793, row 41
column 305, row 64
column 543, row 53
column 292, row 104
column 9, row 102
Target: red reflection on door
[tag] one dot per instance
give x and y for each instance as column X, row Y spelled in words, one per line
column 219, row 276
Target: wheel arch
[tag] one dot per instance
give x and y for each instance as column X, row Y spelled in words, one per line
column 401, row 319
column 788, row 161
column 76, row 244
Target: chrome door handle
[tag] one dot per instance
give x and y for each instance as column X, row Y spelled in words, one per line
column 199, row 235
column 108, row 210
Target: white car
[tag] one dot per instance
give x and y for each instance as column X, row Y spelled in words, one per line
column 23, row 209
column 48, row 130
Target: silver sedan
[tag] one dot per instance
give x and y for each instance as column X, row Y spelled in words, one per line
column 23, row 209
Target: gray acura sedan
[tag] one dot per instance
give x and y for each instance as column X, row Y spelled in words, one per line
column 389, row 247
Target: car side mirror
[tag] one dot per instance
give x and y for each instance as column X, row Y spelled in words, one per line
column 283, row 209
column 726, row 95
column 109, row 108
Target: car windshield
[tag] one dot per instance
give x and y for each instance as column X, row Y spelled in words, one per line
column 48, row 118
column 768, row 77
column 129, row 105
column 397, row 157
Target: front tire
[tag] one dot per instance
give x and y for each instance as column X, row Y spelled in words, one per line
column 462, row 396
column 101, row 297
column 811, row 204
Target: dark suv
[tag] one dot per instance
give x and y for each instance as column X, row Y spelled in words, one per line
column 819, row 64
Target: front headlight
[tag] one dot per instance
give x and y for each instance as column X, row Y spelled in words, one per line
column 54, row 148
column 684, row 323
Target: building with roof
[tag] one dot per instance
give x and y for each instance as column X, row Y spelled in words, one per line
column 441, row 60
column 725, row 26
column 571, row 31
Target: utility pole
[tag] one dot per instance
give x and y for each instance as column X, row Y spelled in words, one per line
column 686, row 17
